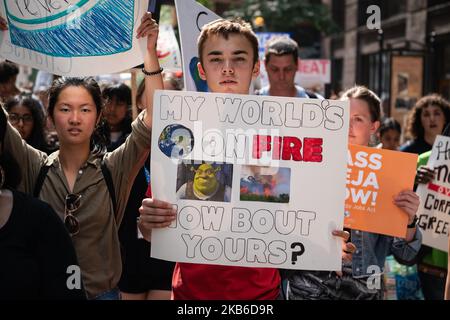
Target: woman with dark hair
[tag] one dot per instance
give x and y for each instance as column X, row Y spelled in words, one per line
column 36, row 252
column 427, row 119
column 390, row 132
column 25, row 113
column 117, row 113
column 87, row 186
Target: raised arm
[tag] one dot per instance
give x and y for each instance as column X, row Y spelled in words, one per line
column 153, row 79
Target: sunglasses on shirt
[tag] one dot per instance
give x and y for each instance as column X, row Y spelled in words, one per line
column 71, row 222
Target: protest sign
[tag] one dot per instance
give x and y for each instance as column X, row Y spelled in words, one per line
column 192, row 16
column 434, row 207
column 168, row 51
column 73, row 37
column 257, row 181
column 314, row 72
column 374, row 177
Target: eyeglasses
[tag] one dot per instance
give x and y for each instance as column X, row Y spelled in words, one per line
column 71, row 205
column 14, row 118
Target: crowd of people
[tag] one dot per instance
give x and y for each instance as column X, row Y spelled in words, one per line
column 75, row 184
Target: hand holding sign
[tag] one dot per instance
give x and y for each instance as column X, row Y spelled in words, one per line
column 408, row 201
column 160, row 214
column 348, row 248
column 148, row 28
column 155, row 214
column 424, row 175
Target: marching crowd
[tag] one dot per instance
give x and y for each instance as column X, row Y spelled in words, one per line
column 75, row 184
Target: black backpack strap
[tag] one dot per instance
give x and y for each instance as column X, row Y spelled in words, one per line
column 106, row 174
column 110, row 185
column 40, row 181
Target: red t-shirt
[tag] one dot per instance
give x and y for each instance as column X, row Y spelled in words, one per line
column 210, row 282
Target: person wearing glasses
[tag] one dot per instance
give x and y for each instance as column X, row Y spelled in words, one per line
column 26, row 114
column 117, row 113
column 36, row 252
column 77, row 180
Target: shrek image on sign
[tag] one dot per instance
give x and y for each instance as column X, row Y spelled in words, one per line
column 205, row 181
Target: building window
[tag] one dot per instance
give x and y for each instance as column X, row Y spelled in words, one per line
column 369, row 73
column 443, row 68
column 336, row 75
column 432, row 3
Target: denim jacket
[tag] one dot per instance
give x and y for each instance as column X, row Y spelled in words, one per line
column 372, row 250
column 367, row 261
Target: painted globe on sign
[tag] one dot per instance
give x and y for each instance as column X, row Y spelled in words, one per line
column 176, row 141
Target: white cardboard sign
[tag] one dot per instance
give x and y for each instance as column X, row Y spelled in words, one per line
column 434, row 207
column 73, row 37
column 257, row 181
column 192, row 16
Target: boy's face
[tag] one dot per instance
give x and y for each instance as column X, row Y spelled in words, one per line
column 228, row 64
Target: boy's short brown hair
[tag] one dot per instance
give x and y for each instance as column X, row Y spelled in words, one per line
column 224, row 28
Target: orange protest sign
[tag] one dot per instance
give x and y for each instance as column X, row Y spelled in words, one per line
column 374, row 177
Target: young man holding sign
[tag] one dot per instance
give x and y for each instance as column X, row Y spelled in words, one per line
column 228, row 52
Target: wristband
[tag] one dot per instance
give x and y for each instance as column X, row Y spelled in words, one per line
column 413, row 224
column 152, row 73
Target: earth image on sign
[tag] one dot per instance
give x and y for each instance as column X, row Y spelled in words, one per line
column 176, row 141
